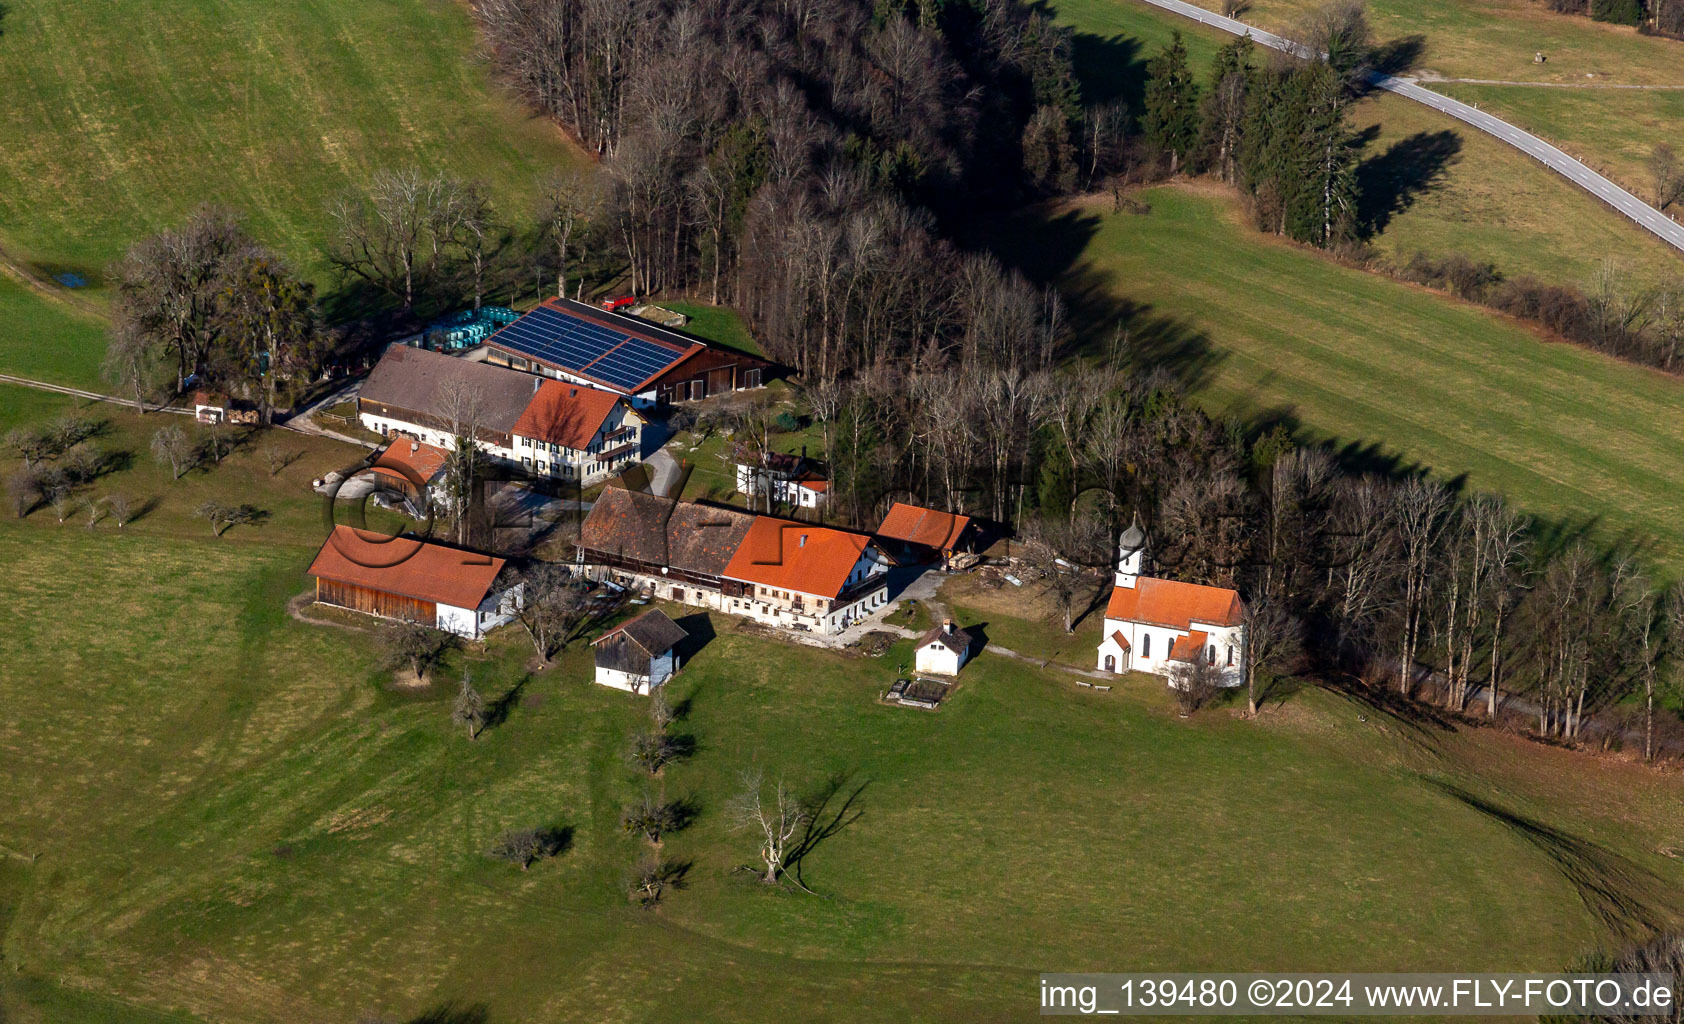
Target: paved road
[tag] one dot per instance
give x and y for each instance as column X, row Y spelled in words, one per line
column 1644, row 215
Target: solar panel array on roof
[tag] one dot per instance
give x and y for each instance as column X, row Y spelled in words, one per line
column 592, row 349
column 634, row 362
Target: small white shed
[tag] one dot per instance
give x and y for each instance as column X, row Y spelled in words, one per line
column 638, row 655
column 944, row 650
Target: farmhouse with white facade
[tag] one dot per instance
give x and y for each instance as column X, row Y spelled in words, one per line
column 775, row 571
column 550, row 429
column 1166, row 626
column 790, row 479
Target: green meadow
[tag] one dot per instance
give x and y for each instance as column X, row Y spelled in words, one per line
column 1395, row 377
column 221, row 813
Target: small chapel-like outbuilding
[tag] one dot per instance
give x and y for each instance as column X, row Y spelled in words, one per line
column 1167, row 627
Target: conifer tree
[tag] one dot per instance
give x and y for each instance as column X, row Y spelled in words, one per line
column 1171, row 120
column 1224, row 108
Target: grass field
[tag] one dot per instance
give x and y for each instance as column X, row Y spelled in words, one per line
column 121, row 119
column 1395, row 376
column 48, row 339
column 1460, row 189
column 220, row 813
column 235, row 821
column 1612, row 130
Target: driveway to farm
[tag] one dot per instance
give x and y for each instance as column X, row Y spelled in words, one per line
column 92, row 396
column 300, row 421
column 1646, row 216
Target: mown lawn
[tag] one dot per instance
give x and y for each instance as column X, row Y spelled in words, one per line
column 1432, row 183
column 720, row 324
column 1397, row 378
column 47, row 339
column 120, row 119
column 234, row 819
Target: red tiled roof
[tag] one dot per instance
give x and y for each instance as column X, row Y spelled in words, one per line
column 1121, row 640
column 1175, row 604
column 410, row 461
column 813, row 482
column 796, row 556
column 404, row 565
column 926, row 526
column 566, row 414
column 1190, row 648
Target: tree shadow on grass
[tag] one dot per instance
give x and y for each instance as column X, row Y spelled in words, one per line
column 454, row 1013
column 1398, row 56
column 1389, row 183
column 1111, row 69
column 831, row 809
column 1629, row 899
column 1050, row 248
column 498, row 711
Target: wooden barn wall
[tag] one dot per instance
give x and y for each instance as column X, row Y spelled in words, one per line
column 375, row 602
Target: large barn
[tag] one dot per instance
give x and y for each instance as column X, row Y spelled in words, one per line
column 646, row 363
column 461, row 592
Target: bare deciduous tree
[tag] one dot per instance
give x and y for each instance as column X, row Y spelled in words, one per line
column 773, row 814
column 23, row 487
column 526, row 845
column 651, row 818
column 405, row 642
column 567, row 202
column 652, row 751
column 173, row 448
column 1420, row 510
column 1273, row 636
column 553, row 607
column 278, row 456
column 469, row 709
column 221, row 517
column 122, row 510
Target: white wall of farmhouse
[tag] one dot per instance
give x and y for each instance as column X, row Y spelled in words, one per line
column 539, row 458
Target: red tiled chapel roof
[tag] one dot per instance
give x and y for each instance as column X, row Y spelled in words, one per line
column 1175, row 604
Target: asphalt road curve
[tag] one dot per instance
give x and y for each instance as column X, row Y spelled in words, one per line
column 1645, row 216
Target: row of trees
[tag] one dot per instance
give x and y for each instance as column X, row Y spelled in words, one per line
column 207, row 301
column 1278, row 130
column 1643, row 324
column 1660, row 17
column 1398, row 580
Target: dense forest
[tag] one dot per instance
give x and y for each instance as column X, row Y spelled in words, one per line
column 796, row 159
